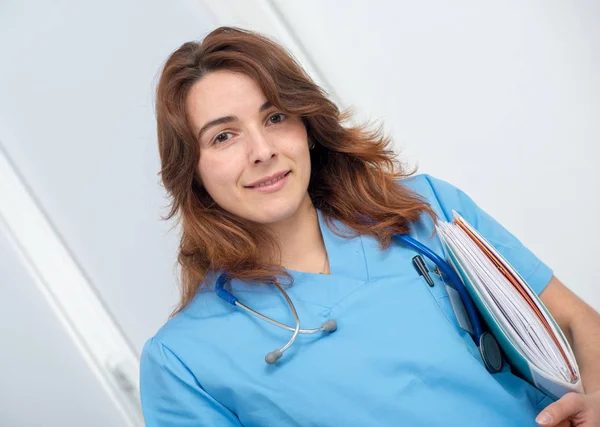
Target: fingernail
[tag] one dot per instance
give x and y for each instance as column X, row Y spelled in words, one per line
column 543, row 418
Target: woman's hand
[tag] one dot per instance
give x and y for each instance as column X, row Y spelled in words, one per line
column 573, row 409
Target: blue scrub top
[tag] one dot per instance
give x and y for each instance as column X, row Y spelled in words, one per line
column 397, row 358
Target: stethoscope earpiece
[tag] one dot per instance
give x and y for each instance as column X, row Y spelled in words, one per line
column 329, row 326
column 273, row 356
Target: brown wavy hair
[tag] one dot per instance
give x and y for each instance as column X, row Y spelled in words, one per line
column 354, row 175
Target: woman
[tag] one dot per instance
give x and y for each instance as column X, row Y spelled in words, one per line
column 271, row 188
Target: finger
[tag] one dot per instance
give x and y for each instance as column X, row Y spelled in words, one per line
column 567, row 406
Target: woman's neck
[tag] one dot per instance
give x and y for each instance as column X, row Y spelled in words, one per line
column 301, row 241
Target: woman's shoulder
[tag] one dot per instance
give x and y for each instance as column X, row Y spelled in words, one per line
column 442, row 196
column 428, row 185
column 196, row 319
column 415, row 182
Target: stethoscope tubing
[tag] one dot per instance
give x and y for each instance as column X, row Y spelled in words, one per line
column 330, row 325
column 454, row 279
column 273, row 356
column 276, row 323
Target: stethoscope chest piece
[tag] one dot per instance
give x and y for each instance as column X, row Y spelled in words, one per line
column 490, row 352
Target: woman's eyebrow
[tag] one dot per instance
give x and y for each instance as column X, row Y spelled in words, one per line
column 229, row 119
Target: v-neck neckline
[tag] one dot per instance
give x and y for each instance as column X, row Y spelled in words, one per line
column 347, row 272
column 347, row 268
column 346, row 255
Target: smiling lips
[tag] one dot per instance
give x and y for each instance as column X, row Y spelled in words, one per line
column 270, row 183
column 268, row 179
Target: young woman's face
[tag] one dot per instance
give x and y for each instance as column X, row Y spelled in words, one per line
column 244, row 141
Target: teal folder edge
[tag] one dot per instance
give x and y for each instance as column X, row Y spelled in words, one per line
column 511, row 352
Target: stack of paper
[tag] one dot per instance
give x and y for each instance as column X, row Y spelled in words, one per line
column 523, row 327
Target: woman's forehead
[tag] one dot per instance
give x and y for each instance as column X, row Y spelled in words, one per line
column 223, row 93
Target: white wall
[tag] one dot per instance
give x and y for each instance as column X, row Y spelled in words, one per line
column 76, row 118
column 45, row 381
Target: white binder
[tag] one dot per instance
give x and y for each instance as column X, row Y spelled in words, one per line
column 525, row 330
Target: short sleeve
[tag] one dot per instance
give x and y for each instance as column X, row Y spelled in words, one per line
column 531, row 268
column 171, row 395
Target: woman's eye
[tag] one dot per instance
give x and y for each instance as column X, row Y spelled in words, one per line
column 222, row 137
column 277, row 118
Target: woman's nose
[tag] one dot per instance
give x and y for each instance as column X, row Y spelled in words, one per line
column 261, row 148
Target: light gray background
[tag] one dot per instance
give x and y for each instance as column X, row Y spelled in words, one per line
column 76, row 117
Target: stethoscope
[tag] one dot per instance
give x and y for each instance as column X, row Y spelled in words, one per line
column 485, row 341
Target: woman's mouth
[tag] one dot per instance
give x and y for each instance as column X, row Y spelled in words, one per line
column 271, row 185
